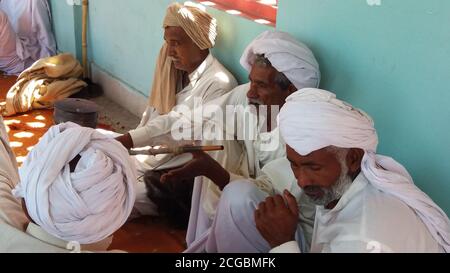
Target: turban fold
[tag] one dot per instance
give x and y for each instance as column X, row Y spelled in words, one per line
column 87, row 205
column 198, row 24
column 312, row 119
column 287, row 55
column 202, row 29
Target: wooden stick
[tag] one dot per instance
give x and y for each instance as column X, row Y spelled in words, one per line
column 177, row 150
column 85, row 4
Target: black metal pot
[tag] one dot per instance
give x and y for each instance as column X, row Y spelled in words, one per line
column 80, row 111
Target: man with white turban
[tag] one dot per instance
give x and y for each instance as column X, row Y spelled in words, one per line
column 25, row 34
column 187, row 75
column 270, row 53
column 365, row 202
column 77, row 188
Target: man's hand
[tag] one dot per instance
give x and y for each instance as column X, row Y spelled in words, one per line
column 276, row 220
column 201, row 165
column 126, row 141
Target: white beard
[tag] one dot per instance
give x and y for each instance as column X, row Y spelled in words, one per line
column 337, row 190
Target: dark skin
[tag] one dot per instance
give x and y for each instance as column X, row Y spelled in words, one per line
column 265, row 91
column 277, row 218
column 186, row 55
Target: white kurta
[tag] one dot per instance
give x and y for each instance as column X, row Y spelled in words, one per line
column 208, row 82
column 368, row 220
column 10, row 63
column 253, row 158
column 31, row 21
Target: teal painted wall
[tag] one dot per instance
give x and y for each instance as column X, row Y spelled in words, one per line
column 393, row 61
column 124, row 37
column 64, row 26
column 235, row 33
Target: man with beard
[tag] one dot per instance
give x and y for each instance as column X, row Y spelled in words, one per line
column 278, row 65
column 365, row 202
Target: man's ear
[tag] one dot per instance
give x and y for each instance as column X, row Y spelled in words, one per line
column 354, row 158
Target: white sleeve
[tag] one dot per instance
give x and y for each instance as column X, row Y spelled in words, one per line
column 160, row 125
column 289, row 247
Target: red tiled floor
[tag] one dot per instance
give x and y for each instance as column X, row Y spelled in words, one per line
column 145, row 234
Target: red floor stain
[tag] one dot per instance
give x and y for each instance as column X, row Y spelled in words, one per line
column 145, row 234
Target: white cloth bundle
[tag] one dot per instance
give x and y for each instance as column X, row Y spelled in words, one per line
column 89, row 204
column 313, row 119
column 287, row 55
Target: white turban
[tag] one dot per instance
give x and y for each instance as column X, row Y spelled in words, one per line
column 287, row 55
column 87, row 205
column 312, row 119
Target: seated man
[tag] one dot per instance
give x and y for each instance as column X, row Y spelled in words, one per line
column 25, row 34
column 77, row 188
column 278, row 65
column 365, row 202
column 186, row 75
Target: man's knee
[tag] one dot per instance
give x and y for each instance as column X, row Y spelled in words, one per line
column 242, row 194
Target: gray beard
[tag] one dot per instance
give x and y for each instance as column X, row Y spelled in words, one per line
column 337, row 190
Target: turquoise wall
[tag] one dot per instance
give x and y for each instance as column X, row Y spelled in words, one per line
column 125, row 37
column 393, row 61
column 235, row 33
column 64, row 26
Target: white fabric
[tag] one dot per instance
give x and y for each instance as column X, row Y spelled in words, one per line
column 313, row 119
column 31, row 20
column 287, row 55
column 87, row 205
column 367, row 220
column 289, row 247
column 10, row 63
column 209, row 81
column 252, row 159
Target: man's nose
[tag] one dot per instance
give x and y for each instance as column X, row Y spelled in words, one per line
column 303, row 180
column 252, row 94
column 171, row 51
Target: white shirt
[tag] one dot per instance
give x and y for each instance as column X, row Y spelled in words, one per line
column 31, row 21
column 367, row 220
column 252, row 155
column 209, row 81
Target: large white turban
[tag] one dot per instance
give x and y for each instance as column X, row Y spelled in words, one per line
column 287, row 55
column 87, row 205
column 312, row 119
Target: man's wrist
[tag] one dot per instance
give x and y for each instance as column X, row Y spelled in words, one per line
column 218, row 175
column 126, row 141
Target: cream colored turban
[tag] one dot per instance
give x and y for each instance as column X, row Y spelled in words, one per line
column 198, row 25
column 312, row 119
column 202, row 29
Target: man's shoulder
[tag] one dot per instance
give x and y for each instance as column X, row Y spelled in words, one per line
column 220, row 75
column 386, row 219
